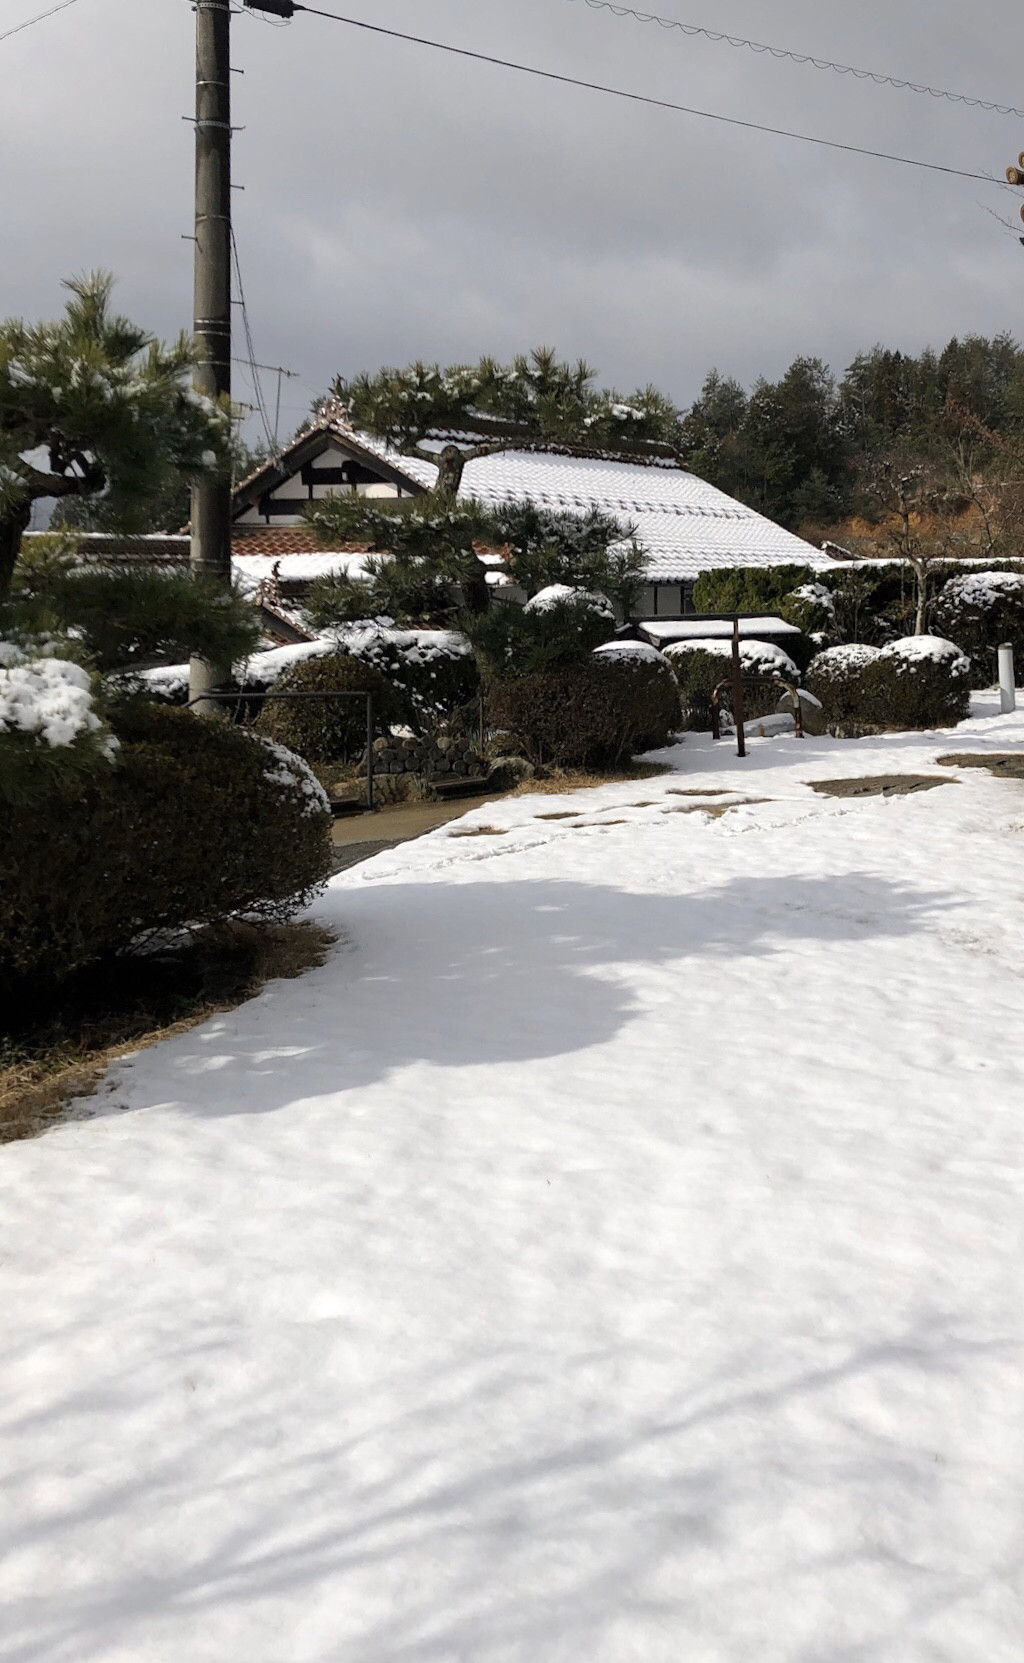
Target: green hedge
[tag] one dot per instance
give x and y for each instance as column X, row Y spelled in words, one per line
column 979, row 611
column 194, row 823
column 748, row 588
column 916, row 682
column 432, row 673
column 328, row 730
column 700, row 667
column 591, row 715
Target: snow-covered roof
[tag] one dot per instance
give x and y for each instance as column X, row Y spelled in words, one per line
column 685, row 525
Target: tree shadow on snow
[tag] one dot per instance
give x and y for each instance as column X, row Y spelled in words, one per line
column 495, row 972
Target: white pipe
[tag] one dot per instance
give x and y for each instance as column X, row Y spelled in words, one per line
column 1007, row 686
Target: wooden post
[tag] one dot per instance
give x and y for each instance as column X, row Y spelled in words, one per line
column 737, row 690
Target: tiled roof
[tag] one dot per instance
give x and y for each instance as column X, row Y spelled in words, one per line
column 276, row 540
column 685, row 525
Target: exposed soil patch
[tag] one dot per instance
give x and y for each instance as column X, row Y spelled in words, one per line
column 479, row 831
column 879, row 785
column 697, row 791
column 562, row 814
column 1005, row 765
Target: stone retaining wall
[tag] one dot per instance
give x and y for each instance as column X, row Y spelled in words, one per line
column 457, row 757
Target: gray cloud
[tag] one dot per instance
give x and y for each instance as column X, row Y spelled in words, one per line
column 400, row 204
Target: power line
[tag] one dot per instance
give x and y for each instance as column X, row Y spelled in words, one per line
column 251, row 351
column 805, row 58
column 643, row 98
column 64, row 4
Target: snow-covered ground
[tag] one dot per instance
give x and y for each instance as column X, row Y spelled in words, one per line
column 614, row 1254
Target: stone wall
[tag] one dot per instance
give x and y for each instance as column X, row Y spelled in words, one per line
column 429, row 757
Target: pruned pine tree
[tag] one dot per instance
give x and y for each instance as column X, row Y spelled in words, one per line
column 450, row 415
column 422, row 565
column 91, row 406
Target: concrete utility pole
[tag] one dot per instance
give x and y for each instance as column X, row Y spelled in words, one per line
column 211, row 501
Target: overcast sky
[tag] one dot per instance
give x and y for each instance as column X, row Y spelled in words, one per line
column 401, row 203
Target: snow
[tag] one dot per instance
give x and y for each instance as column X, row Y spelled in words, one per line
column 614, row 1252
column 252, row 569
column 699, row 627
column 631, row 649
column 851, row 656
column 48, row 697
column 817, row 594
column 983, row 589
column 556, row 593
column 931, row 649
column 291, row 770
column 763, row 655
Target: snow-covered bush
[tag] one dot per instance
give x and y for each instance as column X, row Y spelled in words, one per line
column 702, row 664
column 194, row 823
column 49, row 726
column 811, row 607
column 326, row 730
column 921, row 681
column 559, row 627
column 979, row 611
column 591, row 715
column 432, row 672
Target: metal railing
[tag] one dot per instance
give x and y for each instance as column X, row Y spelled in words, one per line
column 247, row 693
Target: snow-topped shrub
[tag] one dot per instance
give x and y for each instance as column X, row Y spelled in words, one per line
column 195, row 822
column 979, row 611
column 811, row 607
column 702, row 664
column 432, row 672
column 326, row 730
column 836, row 678
column 558, row 627
column 50, row 729
column 921, row 681
column 591, row 715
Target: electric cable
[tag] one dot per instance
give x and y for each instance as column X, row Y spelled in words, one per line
column 64, row 4
column 805, row 58
column 644, row 98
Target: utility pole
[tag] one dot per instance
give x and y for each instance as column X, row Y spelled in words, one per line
column 211, row 500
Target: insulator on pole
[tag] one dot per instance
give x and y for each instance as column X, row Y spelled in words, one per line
column 1014, row 176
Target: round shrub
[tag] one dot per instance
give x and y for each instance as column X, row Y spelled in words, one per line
column 701, row 665
column 194, row 822
column 836, row 678
column 327, row 730
column 921, row 681
column 979, row 611
column 431, row 672
column 590, row 715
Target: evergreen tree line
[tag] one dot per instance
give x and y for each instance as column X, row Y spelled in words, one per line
column 808, row 450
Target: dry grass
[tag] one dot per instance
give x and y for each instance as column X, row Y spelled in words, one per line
column 561, row 780
column 48, row 1057
column 1003, row 764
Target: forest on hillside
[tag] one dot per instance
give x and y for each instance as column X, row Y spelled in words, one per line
column 930, row 447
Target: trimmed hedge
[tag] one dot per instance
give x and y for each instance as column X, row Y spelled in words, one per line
column 920, row 681
column 432, row 673
column 194, row 823
column 590, row 715
column 700, row 666
column 979, row 611
column 327, row 730
column 836, row 678
column 747, row 588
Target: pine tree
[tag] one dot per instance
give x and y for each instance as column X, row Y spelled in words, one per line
column 451, row 415
column 110, row 407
